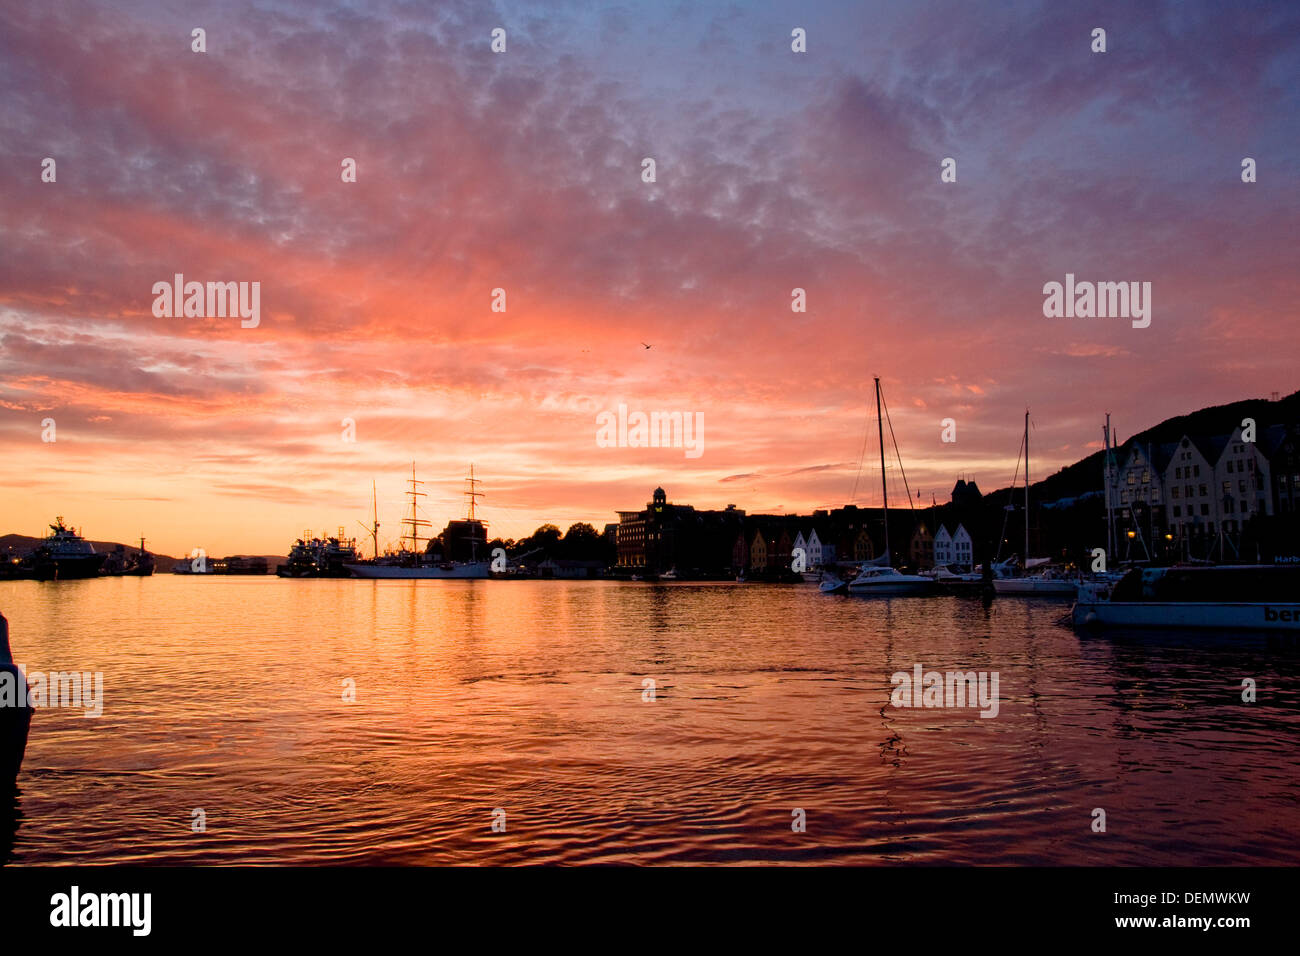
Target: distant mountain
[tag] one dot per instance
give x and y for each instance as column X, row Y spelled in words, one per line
column 1086, row 475
column 22, row 543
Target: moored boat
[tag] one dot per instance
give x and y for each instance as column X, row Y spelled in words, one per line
column 831, row 583
column 877, row 576
column 889, row 581
column 1227, row 597
column 415, row 562
column 64, row 555
column 1049, row 582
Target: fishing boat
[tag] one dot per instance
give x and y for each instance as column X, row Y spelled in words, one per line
column 417, row 562
column 878, row 577
column 64, row 555
column 1226, row 597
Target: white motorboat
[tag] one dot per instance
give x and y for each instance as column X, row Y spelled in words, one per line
column 889, row 581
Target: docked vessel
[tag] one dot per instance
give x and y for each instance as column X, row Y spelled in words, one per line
column 832, row 583
column 413, row 561
column 889, row 581
column 1047, row 580
column 955, row 578
column 1227, row 597
column 877, row 577
column 64, row 555
column 313, row 557
column 121, row 563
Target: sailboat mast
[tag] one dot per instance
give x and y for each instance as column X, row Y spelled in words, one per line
column 1025, row 563
column 884, row 486
column 374, row 527
column 1111, row 543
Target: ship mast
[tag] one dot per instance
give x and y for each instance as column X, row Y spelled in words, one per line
column 884, row 487
column 414, row 522
column 1025, row 562
column 472, row 494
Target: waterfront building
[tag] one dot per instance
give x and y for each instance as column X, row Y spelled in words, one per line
column 1242, row 483
column 963, row 549
column 943, row 553
column 665, row 536
column 1281, row 446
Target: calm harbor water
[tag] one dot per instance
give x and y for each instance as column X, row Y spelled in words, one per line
column 226, row 695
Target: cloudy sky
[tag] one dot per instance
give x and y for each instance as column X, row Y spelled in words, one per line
column 522, row 171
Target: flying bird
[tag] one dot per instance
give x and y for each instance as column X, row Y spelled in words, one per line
column 645, row 345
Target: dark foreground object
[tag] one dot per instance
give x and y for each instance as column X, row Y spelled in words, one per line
column 15, row 712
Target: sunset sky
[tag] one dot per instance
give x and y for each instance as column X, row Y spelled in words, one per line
column 522, row 171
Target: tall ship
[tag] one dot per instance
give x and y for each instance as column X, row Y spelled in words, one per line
column 64, row 555
column 457, row 555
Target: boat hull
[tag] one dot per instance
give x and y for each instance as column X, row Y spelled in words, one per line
column 474, row 569
column 1028, row 587
column 892, row 588
column 1189, row 615
column 69, row 568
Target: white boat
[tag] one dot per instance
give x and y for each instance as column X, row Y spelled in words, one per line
column 1050, row 582
column 954, row 578
column 1227, row 598
column 446, row 569
column 889, row 581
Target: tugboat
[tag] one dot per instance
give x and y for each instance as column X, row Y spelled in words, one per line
column 64, row 555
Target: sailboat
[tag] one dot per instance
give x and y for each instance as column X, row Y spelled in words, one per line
column 413, row 562
column 878, row 576
column 1047, row 582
